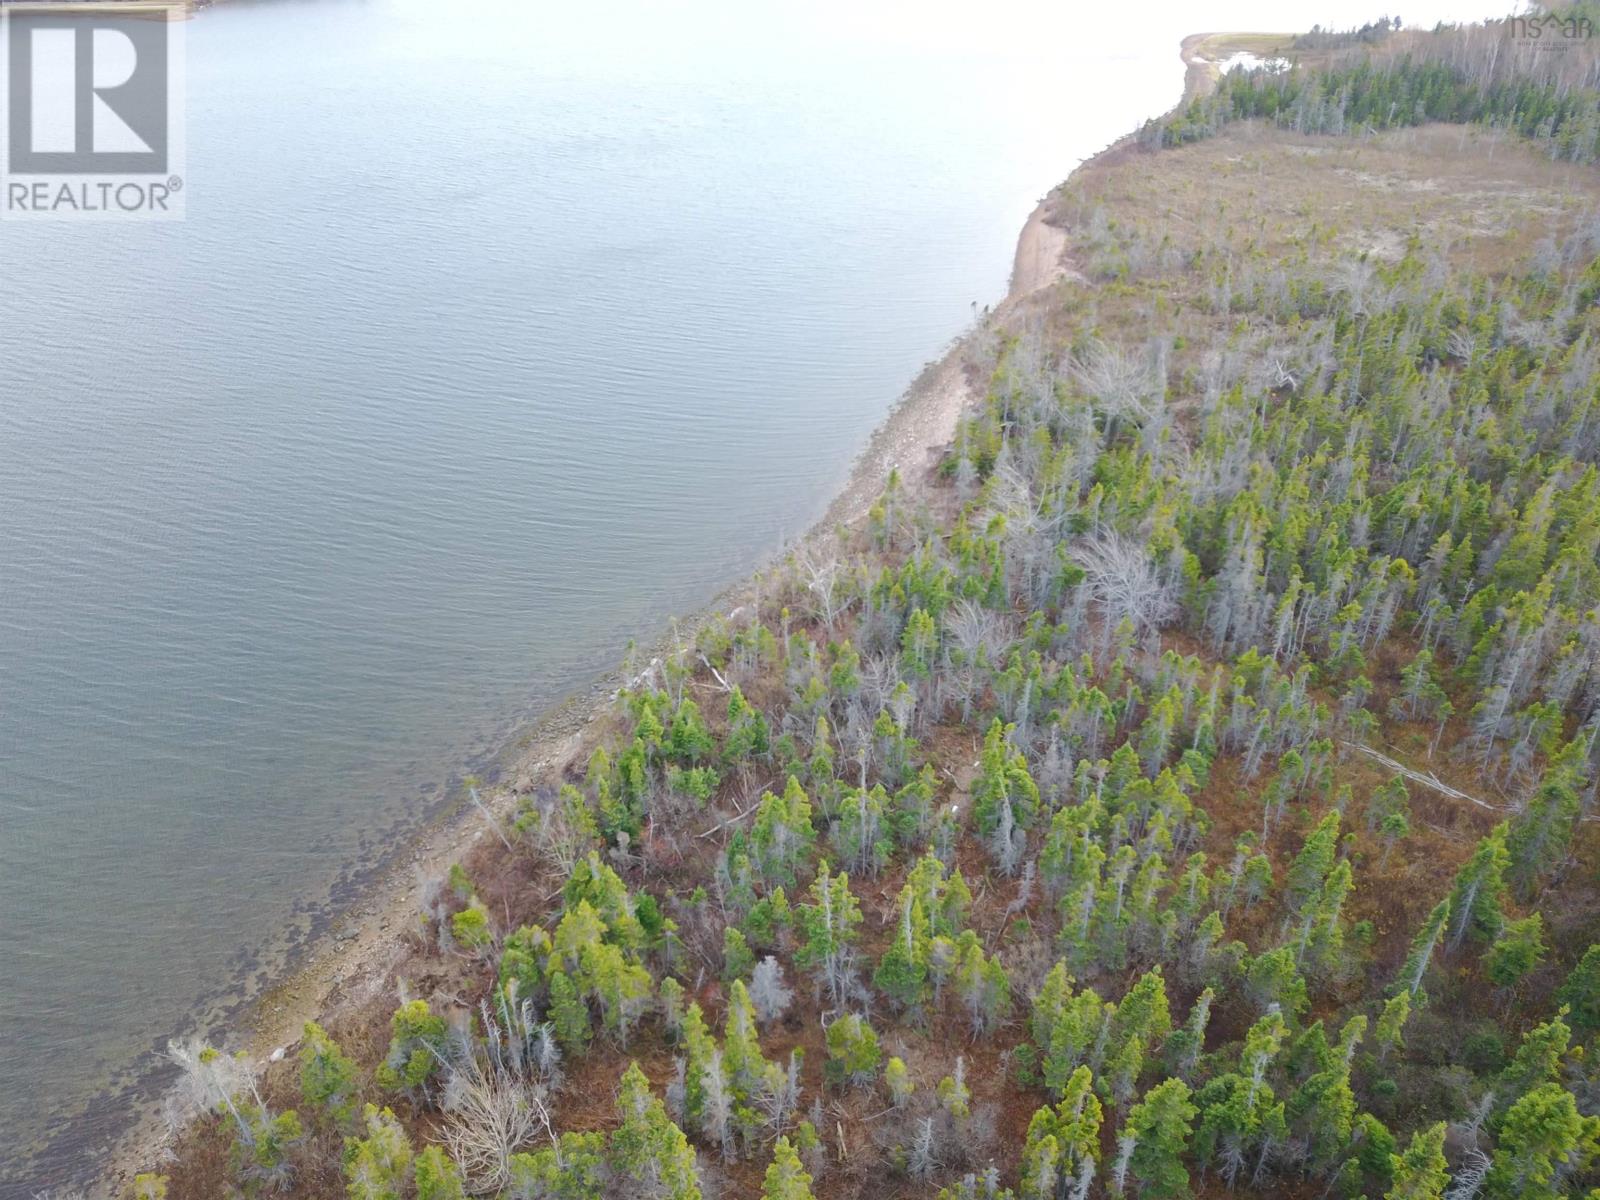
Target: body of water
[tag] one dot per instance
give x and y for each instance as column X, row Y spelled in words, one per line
column 495, row 334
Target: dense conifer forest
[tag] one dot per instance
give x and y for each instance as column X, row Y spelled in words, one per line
column 1188, row 787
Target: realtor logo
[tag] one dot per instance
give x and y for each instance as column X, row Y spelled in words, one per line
column 93, row 110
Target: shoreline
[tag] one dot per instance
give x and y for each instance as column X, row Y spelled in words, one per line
column 1202, row 70
column 358, row 950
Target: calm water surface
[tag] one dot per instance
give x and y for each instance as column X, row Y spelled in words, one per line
column 495, row 334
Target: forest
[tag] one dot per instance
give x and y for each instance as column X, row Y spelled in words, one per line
column 1186, row 788
column 1535, row 75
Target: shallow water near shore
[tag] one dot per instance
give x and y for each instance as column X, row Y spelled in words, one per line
column 487, row 344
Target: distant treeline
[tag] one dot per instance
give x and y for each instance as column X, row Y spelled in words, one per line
column 1546, row 88
column 1326, row 39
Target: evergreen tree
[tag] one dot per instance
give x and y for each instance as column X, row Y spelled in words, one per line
column 648, row 1148
column 1323, row 1109
column 1315, row 860
column 1581, row 992
column 1518, row 949
column 984, row 985
column 1004, row 797
column 737, row 958
column 898, row 1081
column 1421, row 1173
column 902, row 973
column 1239, row 1117
column 621, row 987
column 376, row 1166
column 437, row 1176
column 688, row 740
column 470, row 927
column 1062, row 1140
column 1160, row 1126
column 953, row 1092
column 1262, row 1042
column 1392, row 1022
column 1080, row 1025
column 698, row 1048
column 919, row 645
column 261, row 1149
column 1048, row 1001
column 782, row 835
column 853, row 1054
column 1538, row 1059
column 328, row 1075
column 741, row 1045
column 1274, row 981
column 749, row 735
column 1375, row 1149
column 1184, row 1046
column 1541, row 835
column 1420, row 693
column 575, row 1167
column 786, row 1179
column 569, row 1014
column 1480, row 890
column 1421, row 953
column 828, row 926
column 1542, row 1133
column 416, row 1047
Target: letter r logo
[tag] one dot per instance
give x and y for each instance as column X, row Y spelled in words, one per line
column 87, row 91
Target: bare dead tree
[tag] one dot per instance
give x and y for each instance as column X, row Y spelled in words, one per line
column 1123, row 579
column 488, row 815
column 1122, row 386
column 768, row 991
column 491, row 1112
column 1469, row 1178
column 923, row 1159
column 821, row 571
column 210, row 1081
